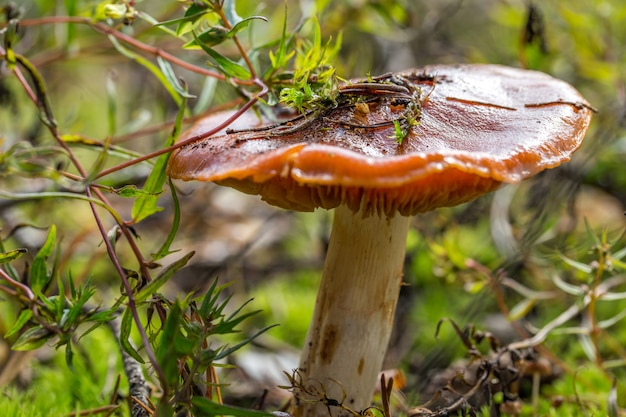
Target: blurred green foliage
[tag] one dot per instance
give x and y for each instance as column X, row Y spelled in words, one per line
column 113, row 102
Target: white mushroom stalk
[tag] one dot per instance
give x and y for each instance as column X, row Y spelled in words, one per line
column 354, row 312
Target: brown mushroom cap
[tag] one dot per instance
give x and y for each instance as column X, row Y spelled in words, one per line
column 479, row 126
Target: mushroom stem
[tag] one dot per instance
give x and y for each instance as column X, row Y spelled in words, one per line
column 353, row 314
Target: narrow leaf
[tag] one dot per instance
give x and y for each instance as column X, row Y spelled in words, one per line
column 111, row 103
column 209, row 300
column 224, row 353
column 77, row 307
column 33, row 338
column 567, row 287
column 521, row 309
column 43, row 102
column 194, row 13
column 228, row 67
column 577, row 265
column 612, row 403
column 166, row 352
column 164, row 250
column 127, row 321
column 231, row 13
column 162, row 278
column 154, row 22
column 170, row 76
column 149, row 66
column 39, row 276
column 211, row 37
column 22, row 319
column 244, row 24
column 12, row 255
column 619, row 254
column 605, row 324
column 69, row 356
column 53, row 194
column 131, row 191
column 146, row 205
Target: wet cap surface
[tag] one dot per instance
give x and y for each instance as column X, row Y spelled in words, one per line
column 477, row 126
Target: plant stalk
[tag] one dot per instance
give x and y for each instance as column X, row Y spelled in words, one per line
column 354, row 313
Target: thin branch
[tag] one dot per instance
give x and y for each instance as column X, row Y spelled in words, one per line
column 240, row 47
column 40, row 100
column 226, row 123
column 102, row 28
column 565, row 316
column 138, row 387
column 27, row 291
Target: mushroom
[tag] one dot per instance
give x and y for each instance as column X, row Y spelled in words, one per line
column 392, row 146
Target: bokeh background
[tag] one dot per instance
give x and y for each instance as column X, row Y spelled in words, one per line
column 548, row 226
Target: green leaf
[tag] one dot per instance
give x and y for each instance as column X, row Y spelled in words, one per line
column 131, row 191
column 619, row 254
column 43, row 101
column 211, row 298
column 149, row 66
column 192, row 15
column 612, row 403
column 577, row 265
column 33, row 338
column 166, row 352
column 22, row 319
column 11, row 255
column 102, row 316
column 521, row 309
column 69, row 356
column 73, row 292
column 281, row 58
column 76, row 309
column 207, row 408
column 39, row 275
column 9, row 36
column 146, row 205
column 228, row 67
column 111, row 91
column 162, row 278
column 184, row 344
column 127, row 322
column 9, row 269
column 164, row 250
column 170, row 76
column 225, row 352
column 605, row 324
column 567, row 287
column 211, row 37
column 98, row 319
column 60, row 300
column 244, row 24
column 154, row 22
column 230, row 12
column 52, row 194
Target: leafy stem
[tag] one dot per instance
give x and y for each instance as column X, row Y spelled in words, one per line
column 157, row 52
column 41, row 101
column 242, row 50
column 225, row 124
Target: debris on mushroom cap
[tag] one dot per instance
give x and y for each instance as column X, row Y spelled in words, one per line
column 407, row 142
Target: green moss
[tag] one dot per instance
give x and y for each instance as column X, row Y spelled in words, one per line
column 56, row 390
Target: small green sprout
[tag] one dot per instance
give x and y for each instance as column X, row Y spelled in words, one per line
column 410, row 118
column 399, row 133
